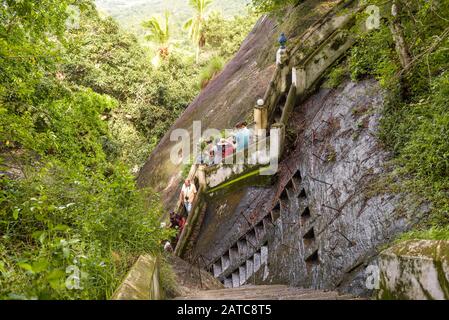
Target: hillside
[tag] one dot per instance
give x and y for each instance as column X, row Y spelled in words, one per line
column 130, row 13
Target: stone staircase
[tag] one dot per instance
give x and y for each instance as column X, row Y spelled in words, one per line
column 249, row 255
column 272, row 292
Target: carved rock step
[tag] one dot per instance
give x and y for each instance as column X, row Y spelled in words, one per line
column 274, row 292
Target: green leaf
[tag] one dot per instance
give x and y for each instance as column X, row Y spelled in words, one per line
column 15, row 214
column 40, row 265
column 26, row 266
column 61, row 227
column 56, row 279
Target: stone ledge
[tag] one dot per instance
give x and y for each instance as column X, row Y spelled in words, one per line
column 415, row 269
column 142, row 281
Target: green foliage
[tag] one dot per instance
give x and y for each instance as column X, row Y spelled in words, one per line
column 134, row 12
column 63, row 216
column 78, row 109
column 195, row 24
column 433, row 233
column 65, row 202
column 159, row 32
column 416, row 117
column 102, row 57
column 224, row 36
column 336, row 76
column 375, row 56
column 265, row 6
column 213, row 67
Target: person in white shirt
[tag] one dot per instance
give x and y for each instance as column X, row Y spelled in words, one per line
column 188, row 193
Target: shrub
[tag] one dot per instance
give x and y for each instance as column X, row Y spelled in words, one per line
column 213, row 67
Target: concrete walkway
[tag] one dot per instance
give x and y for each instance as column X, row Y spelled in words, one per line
column 274, row 292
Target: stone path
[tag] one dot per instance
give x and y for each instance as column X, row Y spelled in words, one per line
column 274, row 292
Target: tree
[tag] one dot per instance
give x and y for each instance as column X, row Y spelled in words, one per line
column 265, row 6
column 195, row 25
column 225, row 36
column 159, row 33
column 397, row 31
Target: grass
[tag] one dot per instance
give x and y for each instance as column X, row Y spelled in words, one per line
column 434, row 233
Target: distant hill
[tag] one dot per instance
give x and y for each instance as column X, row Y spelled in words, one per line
column 130, row 13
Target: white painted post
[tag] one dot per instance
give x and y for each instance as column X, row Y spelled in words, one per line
column 260, row 117
column 201, row 174
column 301, row 80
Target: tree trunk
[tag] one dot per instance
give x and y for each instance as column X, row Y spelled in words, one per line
column 197, row 54
column 398, row 36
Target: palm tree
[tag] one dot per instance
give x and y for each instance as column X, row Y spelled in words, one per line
column 159, row 33
column 196, row 23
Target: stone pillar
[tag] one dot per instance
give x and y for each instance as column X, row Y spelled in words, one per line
column 201, row 174
column 289, row 105
column 260, row 118
column 300, row 80
column 281, row 130
column 281, row 56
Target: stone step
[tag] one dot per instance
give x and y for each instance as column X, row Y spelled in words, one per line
column 267, row 292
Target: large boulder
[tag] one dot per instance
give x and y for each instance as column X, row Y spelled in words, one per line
column 415, row 269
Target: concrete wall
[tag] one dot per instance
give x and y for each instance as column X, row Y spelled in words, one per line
column 416, row 269
column 142, row 281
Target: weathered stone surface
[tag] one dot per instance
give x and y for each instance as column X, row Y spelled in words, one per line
column 142, row 281
column 331, row 222
column 190, row 279
column 416, row 269
column 338, row 157
column 266, row 293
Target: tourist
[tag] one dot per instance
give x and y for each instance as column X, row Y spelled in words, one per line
column 187, row 195
column 242, row 136
column 218, row 151
column 210, row 151
column 181, row 222
column 246, row 135
column 226, row 148
column 173, row 221
column 168, row 247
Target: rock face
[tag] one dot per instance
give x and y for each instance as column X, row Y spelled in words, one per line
column 417, row 270
column 333, row 223
column 330, row 221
